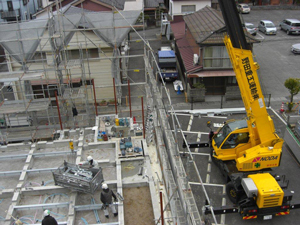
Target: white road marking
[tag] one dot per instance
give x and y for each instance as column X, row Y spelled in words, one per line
column 208, row 167
column 198, row 140
column 207, row 179
column 190, row 123
column 223, row 215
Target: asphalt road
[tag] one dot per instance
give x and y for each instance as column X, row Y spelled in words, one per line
column 273, row 54
column 277, row 64
column 196, row 130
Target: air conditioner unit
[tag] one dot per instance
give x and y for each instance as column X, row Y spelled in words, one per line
column 196, row 59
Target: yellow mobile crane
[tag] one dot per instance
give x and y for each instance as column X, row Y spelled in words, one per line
column 245, row 150
column 249, row 146
column 252, row 143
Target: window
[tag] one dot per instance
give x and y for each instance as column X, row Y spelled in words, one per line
column 188, row 8
column 75, row 54
column 10, row 6
column 39, row 57
column 235, row 139
column 216, row 57
column 40, row 4
column 231, row 81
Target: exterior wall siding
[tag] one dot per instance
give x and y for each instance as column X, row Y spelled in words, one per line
column 89, row 5
column 177, row 5
column 98, row 68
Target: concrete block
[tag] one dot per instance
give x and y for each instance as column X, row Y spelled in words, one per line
column 6, row 193
column 10, row 211
column 44, row 190
column 16, row 197
column 28, row 159
column 23, row 176
column 71, row 205
column 128, row 184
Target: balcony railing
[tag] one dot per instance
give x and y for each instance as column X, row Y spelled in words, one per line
column 10, row 15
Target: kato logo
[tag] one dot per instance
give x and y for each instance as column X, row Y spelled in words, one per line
column 267, row 158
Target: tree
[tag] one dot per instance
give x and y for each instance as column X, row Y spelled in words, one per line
column 293, row 84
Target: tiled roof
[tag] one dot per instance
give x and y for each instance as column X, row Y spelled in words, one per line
column 203, row 23
column 178, row 29
column 208, row 27
column 184, row 47
column 120, row 3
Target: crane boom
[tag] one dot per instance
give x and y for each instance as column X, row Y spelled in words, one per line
column 252, row 143
column 245, row 69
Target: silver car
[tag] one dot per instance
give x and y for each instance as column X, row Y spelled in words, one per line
column 267, row 27
column 296, row 48
column 251, row 28
column 243, row 8
column 291, row 26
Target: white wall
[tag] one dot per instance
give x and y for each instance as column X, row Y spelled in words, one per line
column 99, row 69
column 133, row 5
column 176, row 6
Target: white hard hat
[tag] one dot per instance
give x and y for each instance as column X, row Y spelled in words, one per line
column 104, row 186
column 89, row 158
column 46, row 212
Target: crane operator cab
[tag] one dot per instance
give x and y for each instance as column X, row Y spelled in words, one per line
column 230, row 139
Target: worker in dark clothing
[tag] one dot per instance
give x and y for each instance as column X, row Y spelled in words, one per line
column 48, row 220
column 106, row 199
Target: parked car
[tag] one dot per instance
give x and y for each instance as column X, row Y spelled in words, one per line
column 295, row 48
column 251, row 28
column 291, row 26
column 267, row 27
column 243, row 8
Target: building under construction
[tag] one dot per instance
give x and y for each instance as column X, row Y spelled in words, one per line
column 74, row 56
column 65, row 95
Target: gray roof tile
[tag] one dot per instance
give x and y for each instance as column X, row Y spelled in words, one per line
column 207, row 27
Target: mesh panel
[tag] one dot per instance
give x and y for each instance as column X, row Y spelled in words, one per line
column 105, row 22
column 25, row 49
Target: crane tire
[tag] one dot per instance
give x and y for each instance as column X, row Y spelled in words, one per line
column 231, row 192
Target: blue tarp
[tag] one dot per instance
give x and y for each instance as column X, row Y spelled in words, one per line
column 166, row 54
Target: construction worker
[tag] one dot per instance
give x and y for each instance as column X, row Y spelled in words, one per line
column 106, row 199
column 48, row 220
column 91, row 162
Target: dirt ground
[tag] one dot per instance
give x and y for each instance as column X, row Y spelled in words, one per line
column 137, row 206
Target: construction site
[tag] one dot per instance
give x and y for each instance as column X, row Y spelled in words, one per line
column 72, row 88
column 77, row 84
